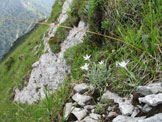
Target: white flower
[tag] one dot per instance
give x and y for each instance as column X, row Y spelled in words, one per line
column 122, row 64
column 101, row 62
column 87, row 57
column 85, row 67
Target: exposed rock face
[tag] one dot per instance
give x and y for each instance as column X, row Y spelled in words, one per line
column 152, row 100
column 51, row 69
column 155, row 118
column 153, row 88
column 125, row 105
column 122, row 118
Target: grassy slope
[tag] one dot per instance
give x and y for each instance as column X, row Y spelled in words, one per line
column 138, row 23
column 15, row 67
column 135, row 22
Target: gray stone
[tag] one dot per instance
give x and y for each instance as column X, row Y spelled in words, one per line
column 81, row 88
column 126, row 108
column 81, row 99
column 125, row 105
column 151, row 100
column 51, row 68
column 146, row 108
column 153, row 88
column 110, row 108
column 89, row 119
column 95, row 116
column 89, row 107
column 111, row 96
column 122, row 118
column 155, row 118
column 135, row 112
column 68, row 109
column 79, row 114
column 112, row 115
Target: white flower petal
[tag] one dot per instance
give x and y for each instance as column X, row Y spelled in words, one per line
column 87, row 57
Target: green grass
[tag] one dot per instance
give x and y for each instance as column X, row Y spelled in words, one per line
column 13, row 69
column 137, row 23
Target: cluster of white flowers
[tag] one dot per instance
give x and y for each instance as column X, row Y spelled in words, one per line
column 86, row 65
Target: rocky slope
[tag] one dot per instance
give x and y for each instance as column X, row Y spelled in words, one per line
column 89, row 78
column 51, row 69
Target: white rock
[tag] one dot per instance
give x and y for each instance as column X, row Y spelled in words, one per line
column 126, row 108
column 68, row 109
column 50, row 70
column 79, row 114
column 81, row 88
column 153, row 88
column 125, row 105
column 95, row 116
column 135, row 112
column 112, row 115
column 146, row 108
column 151, row 100
column 122, row 118
column 89, row 119
column 111, row 96
column 81, row 99
column 89, row 107
column 155, row 118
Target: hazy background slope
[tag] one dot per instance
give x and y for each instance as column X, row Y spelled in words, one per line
column 20, row 9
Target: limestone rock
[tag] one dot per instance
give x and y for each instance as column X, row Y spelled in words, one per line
column 80, row 114
column 122, row 118
column 111, row 96
column 155, row 118
column 152, row 100
column 81, row 99
column 89, row 107
column 153, row 88
column 125, row 105
column 146, row 108
column 89, row 119
column 81, row 88
column 95, row 116
column 68, row 109
column 126, row 108
column 49, row 72
column 112, row 115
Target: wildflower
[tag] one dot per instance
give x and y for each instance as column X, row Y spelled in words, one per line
column 101, row 62
column 85, row 67
column 122, row 64
column 87, row 57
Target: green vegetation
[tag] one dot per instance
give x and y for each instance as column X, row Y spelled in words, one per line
column 136, row 22
column 13, row 70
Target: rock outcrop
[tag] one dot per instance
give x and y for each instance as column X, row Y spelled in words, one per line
column 51, row 68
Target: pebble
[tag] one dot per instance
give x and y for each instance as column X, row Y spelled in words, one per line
column 81, row 88
column 81, row 99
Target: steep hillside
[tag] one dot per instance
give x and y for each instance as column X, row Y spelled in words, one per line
column 20, row 9
column 92, row 66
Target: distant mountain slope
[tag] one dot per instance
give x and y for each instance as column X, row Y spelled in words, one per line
column 20, row 9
